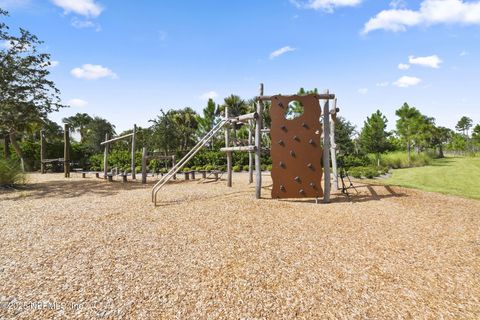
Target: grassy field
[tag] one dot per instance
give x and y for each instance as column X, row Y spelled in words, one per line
column 452, row 175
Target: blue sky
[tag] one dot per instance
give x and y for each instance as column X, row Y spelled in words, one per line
column 126, row 60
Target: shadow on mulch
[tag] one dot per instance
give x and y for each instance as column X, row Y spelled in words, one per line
column 365, row 193
column 76, row 188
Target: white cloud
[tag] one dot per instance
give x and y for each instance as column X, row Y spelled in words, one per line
column 383, row 84
column 406, row 81
column 362, row 90
column 403, row 66
column 396, row 4
column 208, row 95
column 464, row 53
column 82, row 24
column 325, row 5
column 279, row 52
column 79, row 103
column 87, row 8
column 92, row 72
column 430, row 12
column 429, row 61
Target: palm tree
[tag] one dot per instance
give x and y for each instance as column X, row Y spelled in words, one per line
column 78, row 123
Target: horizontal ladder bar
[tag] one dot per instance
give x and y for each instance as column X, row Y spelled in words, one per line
column 117, row 138
column 240, row 148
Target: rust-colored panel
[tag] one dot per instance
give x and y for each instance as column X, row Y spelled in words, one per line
column 296, row 151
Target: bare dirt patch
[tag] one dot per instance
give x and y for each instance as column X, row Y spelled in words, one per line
column 84, row 248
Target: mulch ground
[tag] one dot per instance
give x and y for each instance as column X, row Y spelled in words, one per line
column 84, row 248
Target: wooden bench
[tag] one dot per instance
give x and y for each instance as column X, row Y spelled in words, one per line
column 204, row 173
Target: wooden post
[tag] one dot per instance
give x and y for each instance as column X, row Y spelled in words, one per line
column 333, row 145
column 43, row 151
column 250, row 154
column 258, row 144
column 66, row 151
column 105, row 158
column 144, row 165
column 133, row 152
column 326, row 151
column 229, row 154
column 173, row 165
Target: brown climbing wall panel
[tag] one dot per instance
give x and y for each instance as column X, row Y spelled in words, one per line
column 296, row 151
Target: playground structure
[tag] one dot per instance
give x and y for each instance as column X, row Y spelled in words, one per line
column 109, row 141
column 296, row 151
column 66, row 152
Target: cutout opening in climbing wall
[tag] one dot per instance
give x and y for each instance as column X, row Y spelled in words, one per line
column 294, row 110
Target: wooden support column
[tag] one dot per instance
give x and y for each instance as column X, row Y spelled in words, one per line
column 105, row 158
column 250, row 154
column 144, row 165
column 258, row 144
column 333, row 145
column 229, row 154
column 326, row 151
column 173, row 166
column 133, row 152
column 66, row 151
column 43, row 151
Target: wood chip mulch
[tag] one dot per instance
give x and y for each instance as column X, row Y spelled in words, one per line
column 86, row 249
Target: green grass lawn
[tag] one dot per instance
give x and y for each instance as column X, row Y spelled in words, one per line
column 452, row 175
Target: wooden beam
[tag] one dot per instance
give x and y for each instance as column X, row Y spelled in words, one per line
column 258, row 145
column 133, row 152
column 250, row 154
column 116, row 139
column 43, row 151
column 326, row 150
column 229, row 154
column 239, row 148
column 333, row 145
column 326, row 96
column 105, row 158
column 66, row 151
column 144, row 165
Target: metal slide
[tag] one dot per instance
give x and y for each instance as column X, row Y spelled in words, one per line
column 163, row 181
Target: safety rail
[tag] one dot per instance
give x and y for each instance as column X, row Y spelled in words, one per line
column 186, row 158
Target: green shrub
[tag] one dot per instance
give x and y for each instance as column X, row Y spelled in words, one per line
column 264, row 167
column 138, row 169
column 163, row 170
column 236, row 169
column 269, row 167
column 208, row 167
column 246, row 168
column 396, row 160
column 369, row 172
column 10, row 173
column 186, row 169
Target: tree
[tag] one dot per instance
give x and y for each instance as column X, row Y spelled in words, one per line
column 440, row 136
column 374, row 137
column 344, row 132
column 408, row 125
column 95, row 133
column 26, row 94
column 78, row 123
column 463, row 125
column 164, row 133
column 476, row 135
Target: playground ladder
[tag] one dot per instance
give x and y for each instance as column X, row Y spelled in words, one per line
column 163, row 181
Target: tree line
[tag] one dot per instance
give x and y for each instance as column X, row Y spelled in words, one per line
column 28, row 96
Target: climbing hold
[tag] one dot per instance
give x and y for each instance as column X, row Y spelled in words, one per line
column 297, row 178
column 282, row 188
column 304, row 125
column 301, row 191
column 310, row 166
column 280, row 105
column 311, row 141
column 292, row 153
column 296, row 138
column 282, row 165
column 313, row 185
column 283, row 128
column 280, row 142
